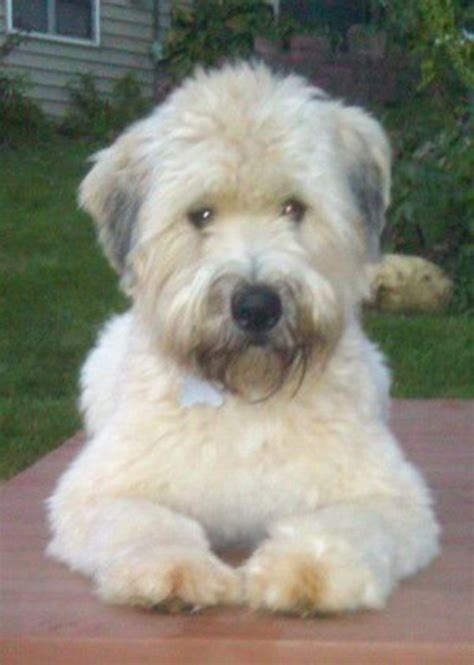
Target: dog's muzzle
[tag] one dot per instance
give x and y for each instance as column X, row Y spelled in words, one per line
column 256, row 309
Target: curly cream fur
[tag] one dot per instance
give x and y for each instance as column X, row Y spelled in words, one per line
column 409, row 283
column 298, row 465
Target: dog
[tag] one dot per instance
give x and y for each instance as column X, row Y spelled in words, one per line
column 402, row 283
column 238, row 401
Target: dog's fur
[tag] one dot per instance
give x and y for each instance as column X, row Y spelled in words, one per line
column 295, row 458
column 401, row 283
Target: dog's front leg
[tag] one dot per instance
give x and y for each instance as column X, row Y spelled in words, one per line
column 141, row 553
column 342, row 557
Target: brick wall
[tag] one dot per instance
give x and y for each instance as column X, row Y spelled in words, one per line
column 364, row 73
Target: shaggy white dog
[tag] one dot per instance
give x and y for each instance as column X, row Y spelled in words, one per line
column 239, row 401
column 401, row 283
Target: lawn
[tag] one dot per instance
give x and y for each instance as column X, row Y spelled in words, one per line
column 57, row 290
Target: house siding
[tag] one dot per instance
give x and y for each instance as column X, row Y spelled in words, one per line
column 126, row 38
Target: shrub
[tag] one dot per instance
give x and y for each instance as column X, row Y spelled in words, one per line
column 21, row 119
column 433, row 205
column 89, row 112
column 127, row 102
column 432, row 209
column 435, row 33
column 94, row 115
column 214, row 30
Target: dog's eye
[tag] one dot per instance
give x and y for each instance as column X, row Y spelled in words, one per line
column 200, row 217
column 294, row 209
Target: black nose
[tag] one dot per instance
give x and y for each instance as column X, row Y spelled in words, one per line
column 256, row 309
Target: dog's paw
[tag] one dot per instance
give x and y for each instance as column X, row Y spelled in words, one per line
column 296, row 578
column 172, row 578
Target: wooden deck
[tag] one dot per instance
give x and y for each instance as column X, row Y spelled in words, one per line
column 50, row 615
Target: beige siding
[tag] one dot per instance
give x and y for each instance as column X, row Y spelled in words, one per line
column 126, row 39
column 125, row 46
column 2, row 25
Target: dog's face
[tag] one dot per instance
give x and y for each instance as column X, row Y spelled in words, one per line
column 239, row 215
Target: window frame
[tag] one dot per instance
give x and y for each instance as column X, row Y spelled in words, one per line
column 275, row 5
column 51, row 37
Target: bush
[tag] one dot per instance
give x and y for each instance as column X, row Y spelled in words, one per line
column 89, row 111
column 93, row 115
column 435, row 34
column 432, row 208
column 214, row 30
column 127, row 102
column 21, row 120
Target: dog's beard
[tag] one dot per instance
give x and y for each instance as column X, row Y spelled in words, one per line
column 257, row 367
column 256, row 370
column 200, row 334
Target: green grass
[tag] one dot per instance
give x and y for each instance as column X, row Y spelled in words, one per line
column 430, row 356
column 56, row 290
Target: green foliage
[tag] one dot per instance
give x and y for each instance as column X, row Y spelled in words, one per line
column 464, row 271
column 444, row 45
column 128, row 102
column 21, row 120
column 95, row 116
column 214, row 30
column 89, row 111
column 435, row 33
column 433, row 205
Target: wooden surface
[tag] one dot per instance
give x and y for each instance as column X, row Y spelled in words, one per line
column 50, row 615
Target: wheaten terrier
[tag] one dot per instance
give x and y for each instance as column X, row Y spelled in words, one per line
column 238, row 401
column 401, row 283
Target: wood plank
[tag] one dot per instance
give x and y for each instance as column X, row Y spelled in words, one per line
column 48, row 612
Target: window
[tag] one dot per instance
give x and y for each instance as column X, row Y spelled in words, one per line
column 56, row 19
column 275, row 4
column 332, row 13
column 335, row 15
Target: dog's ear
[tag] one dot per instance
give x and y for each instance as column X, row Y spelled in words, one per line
column 112, row 193
column 367, row 162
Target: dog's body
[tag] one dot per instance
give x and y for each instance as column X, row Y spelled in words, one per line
column 239, row 402
column 401, row 283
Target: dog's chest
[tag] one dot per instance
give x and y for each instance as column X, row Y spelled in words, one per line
column 236, row 474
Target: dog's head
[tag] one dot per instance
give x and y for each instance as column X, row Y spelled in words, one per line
column 240, row 215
